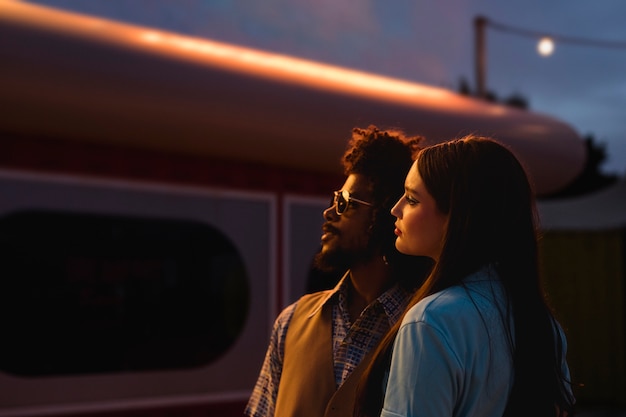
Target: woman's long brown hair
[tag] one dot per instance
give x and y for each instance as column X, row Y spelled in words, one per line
column 485, row 192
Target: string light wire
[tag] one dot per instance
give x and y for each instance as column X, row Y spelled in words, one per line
column 557, row 38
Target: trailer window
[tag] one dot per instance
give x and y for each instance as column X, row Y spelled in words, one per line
column 86, row 293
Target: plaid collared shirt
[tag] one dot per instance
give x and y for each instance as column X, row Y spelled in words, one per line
column 351, row 341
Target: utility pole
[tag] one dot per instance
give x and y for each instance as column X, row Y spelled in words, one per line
column 480, row 22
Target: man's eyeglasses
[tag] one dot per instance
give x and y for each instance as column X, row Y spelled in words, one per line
column 342, row 200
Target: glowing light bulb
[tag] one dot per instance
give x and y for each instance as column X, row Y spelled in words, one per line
column 545, row 47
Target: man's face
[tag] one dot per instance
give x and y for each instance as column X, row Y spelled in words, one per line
column 345, row 238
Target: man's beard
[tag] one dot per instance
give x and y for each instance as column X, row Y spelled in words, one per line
column 341, row 259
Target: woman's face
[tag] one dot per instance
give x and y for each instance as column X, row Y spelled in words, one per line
column 420, row 226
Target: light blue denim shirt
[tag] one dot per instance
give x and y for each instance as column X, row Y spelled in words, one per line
column 451, row 356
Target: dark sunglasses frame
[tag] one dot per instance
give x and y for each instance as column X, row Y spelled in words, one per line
column 342, row 199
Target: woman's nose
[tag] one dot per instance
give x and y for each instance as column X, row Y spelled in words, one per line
column 395, row 210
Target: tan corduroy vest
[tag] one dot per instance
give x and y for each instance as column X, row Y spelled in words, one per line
column 307, row 385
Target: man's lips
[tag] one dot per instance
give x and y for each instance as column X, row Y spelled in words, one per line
column 328, row 232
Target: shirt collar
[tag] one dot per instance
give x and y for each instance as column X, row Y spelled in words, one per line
column 341, row 286
column 393, row 301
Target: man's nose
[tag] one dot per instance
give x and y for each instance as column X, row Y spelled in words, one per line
column 330, row 213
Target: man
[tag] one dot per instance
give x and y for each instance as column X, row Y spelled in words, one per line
column 320, row 344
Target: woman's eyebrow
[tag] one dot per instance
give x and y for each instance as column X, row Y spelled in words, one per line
column 411, row 190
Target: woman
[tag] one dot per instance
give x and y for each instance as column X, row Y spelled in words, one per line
column 478, row 338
